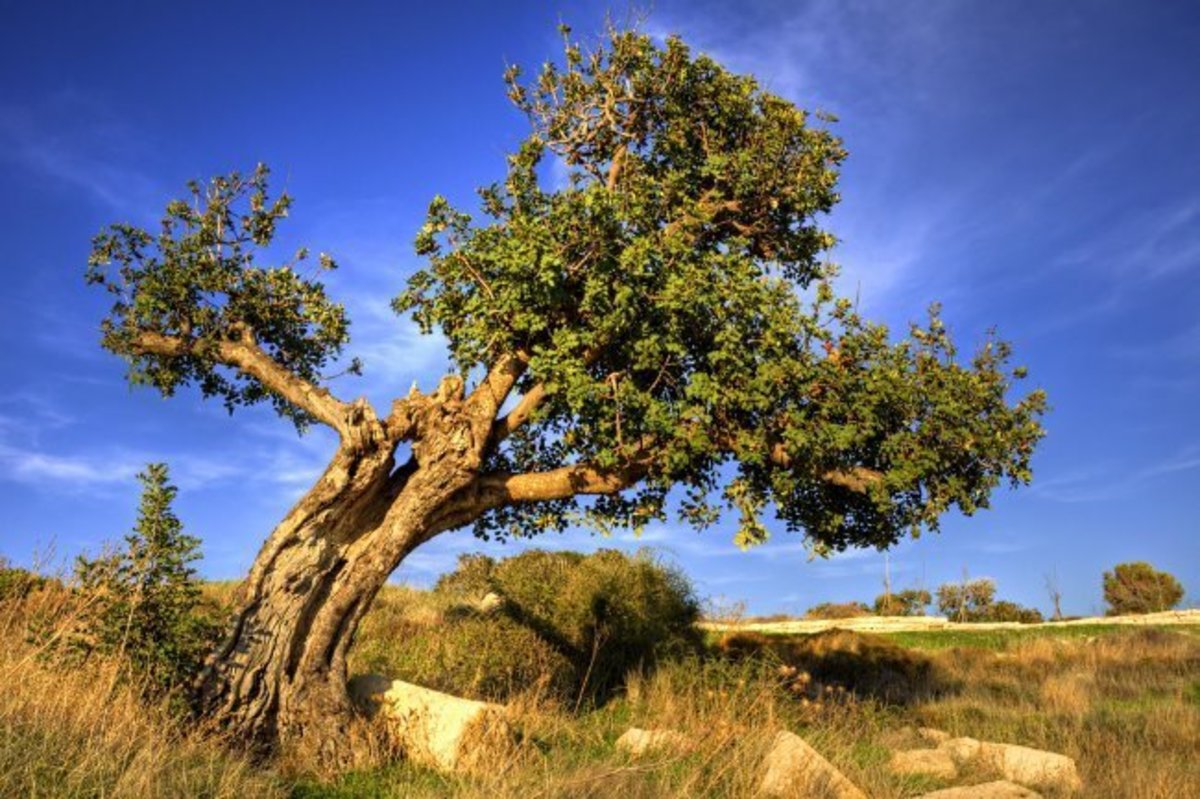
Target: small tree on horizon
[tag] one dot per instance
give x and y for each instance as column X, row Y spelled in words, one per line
column 909, row 602
column 1137, row 587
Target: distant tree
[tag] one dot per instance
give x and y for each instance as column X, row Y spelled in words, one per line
column 664, row 317
column 144, row 601
column 909, row 602
column 1055, row 591
column 966, row 601
column 837, row 610
column 1140, row 588
column 1004, row 610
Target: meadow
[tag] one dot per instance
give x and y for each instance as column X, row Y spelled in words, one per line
column 1124, row 702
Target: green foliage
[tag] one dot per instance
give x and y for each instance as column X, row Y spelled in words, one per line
column 18, row 583
column 909, row 602
column 975, row 601
column 675, row 303
column 1138, row 587
column 484, row 657
column 144, row 602
column 607, row 612
column 837, row 610
column 196, row 282
column 673, row 299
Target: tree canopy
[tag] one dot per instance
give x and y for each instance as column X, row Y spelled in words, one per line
column 667, row 313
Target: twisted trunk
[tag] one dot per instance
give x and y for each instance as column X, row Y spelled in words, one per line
column 279, row 679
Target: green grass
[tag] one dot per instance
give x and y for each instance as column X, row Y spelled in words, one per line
column 1000, row 640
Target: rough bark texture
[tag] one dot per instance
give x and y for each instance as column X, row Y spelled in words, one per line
column 280, row 677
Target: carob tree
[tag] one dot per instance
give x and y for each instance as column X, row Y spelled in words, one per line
column 658, row 334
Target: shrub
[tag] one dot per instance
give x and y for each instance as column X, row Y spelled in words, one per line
column 481, row 657
column 837, row 610
column 17, row 583
column 1003, row 610
column 1140, row 588
column 910, row 602
column 605, row 613
column 144, row 603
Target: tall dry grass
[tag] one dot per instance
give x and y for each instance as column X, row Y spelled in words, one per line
column 84, row 731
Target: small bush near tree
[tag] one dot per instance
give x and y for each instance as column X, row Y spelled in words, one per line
column 910, row 602
column 144, row 602
column 17, row 583
column 1138, row 587
column 597, row 616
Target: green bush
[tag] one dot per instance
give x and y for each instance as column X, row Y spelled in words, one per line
column 481, row 657
column 1003, row 610
column 1140, row 588
column 910, row 602
column 17, row 583
column 604, row 613
column 144, row 603
column 975, row 601
column 837, row 610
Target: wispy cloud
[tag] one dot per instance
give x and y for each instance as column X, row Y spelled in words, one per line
column 74, row 141
column 1109, row 480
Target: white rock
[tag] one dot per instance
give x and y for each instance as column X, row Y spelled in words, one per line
column 490, row 603
column 1032, row 767
column 443, row 731
column 927, row 762
column 639, row 742
column 1001, row 789
column 797, row 771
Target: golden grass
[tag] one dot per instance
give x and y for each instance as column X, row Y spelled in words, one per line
column 84, row 732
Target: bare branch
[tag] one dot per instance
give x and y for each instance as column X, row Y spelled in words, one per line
column 247, row 357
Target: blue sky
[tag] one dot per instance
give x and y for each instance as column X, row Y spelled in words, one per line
column 1033, row 165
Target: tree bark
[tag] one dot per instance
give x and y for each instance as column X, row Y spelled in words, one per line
column 279, row 679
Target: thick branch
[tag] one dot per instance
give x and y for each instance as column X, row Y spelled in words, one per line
column 248, row 358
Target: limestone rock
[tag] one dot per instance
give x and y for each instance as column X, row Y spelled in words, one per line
column 961, row 750
column 797, row 771
column 490, row 603
column 639, row 742
column 927, row 762
column 1001, row 789
column 1032, row 767
column 443, row 731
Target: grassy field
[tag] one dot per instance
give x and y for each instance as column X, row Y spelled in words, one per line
column 1125, row 703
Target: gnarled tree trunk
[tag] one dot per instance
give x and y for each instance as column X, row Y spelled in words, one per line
column 279, row 679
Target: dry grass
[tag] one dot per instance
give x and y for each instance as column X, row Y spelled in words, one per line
column 84, row 732
column 1125, row 705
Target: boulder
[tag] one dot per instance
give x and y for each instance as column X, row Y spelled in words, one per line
column 1001, row 789
column 926, row 762
column 639, row 742
column 1032, row 767
column 367, row 690
column 797, row 771
column 443, row 731
column 961, row 750
column 491, row 603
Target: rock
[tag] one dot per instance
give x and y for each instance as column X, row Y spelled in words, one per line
column 1001, row 789
column 961, row 750
column 797, row 771
column 443, row 731
column 1032, row 767
column 926, row 762
column 639, row 742
column 490, row 603
column 932, row 736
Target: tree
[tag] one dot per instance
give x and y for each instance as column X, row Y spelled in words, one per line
column 1138, row 587
column 145, row 601
column 1054, row 590
column 909, row 602
column 666, row 319
column 968, row 600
